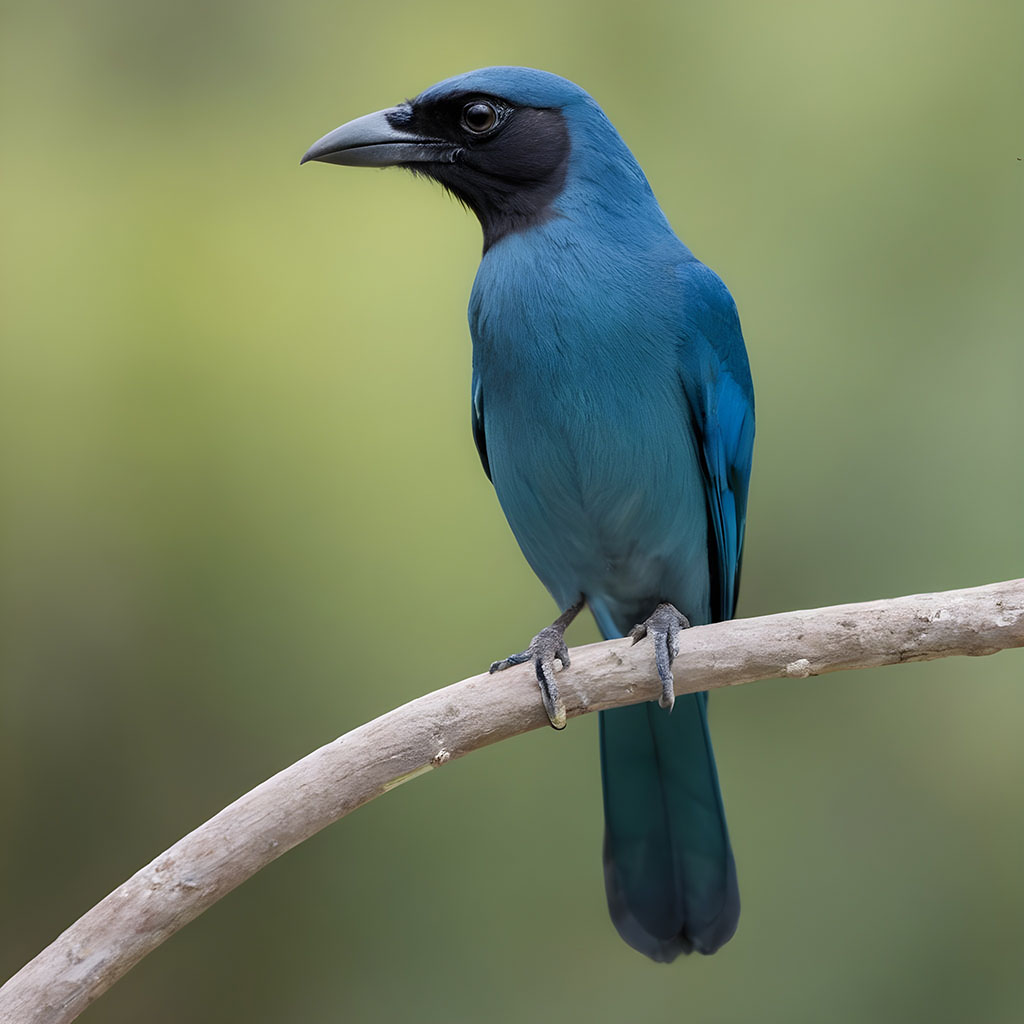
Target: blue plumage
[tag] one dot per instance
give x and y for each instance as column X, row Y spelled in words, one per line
column 613, row 411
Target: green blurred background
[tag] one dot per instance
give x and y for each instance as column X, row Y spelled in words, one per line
column 234, row 419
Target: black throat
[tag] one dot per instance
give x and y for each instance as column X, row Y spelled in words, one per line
column 509, row 179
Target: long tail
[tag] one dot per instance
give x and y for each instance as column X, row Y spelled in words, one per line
column 668, row 866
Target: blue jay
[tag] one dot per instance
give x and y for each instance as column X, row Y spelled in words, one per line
column 613, row 411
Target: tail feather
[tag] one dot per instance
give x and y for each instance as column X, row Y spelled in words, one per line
column 669, row 870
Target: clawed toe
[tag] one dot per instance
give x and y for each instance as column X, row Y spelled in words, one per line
column 512, row 659
column 553, row 704
column 547, row 646
column 663, row 627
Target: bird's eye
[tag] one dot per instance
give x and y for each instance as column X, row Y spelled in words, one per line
column 478, row 117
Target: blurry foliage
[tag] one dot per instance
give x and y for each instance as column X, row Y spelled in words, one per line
column 241, row 510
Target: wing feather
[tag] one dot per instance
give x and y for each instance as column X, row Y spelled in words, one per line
column 715, row 375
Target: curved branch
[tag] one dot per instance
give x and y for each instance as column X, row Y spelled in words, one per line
column 298, row 802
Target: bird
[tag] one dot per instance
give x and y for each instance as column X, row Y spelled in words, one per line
column 613, row 411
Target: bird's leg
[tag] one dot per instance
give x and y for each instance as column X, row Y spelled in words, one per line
column 663, row 627
column 547, row 645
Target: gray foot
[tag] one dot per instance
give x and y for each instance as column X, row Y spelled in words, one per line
column 663, row 628
column 544, row 648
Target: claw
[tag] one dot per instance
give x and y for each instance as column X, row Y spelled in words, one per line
column 512, row 659
column 663, row 627
column 562, row 654
column 545, row 647
column 553, row 703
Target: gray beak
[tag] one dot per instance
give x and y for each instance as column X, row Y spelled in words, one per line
column 372, row 141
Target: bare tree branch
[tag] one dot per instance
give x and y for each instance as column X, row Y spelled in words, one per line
column 298, row 802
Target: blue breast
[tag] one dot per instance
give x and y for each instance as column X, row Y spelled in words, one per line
column 589, row 439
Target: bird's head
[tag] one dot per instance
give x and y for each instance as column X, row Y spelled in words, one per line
column 507, row 141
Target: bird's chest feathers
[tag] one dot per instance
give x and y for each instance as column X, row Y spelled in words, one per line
column 572, row 328
column 583, row 413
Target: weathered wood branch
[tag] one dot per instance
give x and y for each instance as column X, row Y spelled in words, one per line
column 298, row 802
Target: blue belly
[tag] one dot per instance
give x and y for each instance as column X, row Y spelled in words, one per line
column 602, row 488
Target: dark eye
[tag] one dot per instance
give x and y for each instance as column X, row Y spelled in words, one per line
column 478, row 117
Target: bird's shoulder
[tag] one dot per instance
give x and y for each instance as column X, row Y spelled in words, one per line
column 711, row 339
column 712, row 360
